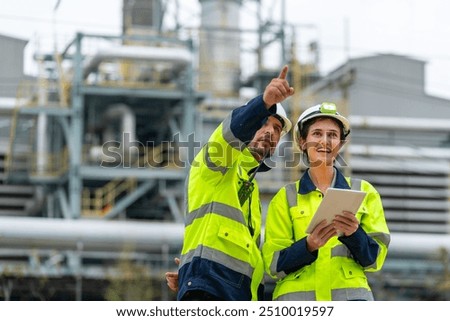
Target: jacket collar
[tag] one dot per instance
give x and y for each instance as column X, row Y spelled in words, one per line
column 263, row 167
column 307, row 186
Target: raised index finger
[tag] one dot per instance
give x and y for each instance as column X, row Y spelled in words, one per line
column 283, row 72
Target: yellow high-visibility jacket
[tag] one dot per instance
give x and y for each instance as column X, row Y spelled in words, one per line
column 337, row 270
column 221, row 253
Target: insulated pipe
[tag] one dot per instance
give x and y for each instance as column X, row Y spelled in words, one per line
column 418, row 245
column 89, row 235
column 99, row 235
column 397, row 123
column 41, row 143
column 125, row 115
column 177, row 56
column 42, row 122
column 399, row 151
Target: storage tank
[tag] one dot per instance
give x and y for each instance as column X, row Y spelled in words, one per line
column 219, row 52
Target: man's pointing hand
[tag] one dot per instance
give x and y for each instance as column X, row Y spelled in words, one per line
column 278, row 89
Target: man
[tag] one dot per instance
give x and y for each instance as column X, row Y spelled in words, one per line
column 221, row 258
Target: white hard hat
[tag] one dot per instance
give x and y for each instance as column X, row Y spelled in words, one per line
column 282, row 117
column 324, row 109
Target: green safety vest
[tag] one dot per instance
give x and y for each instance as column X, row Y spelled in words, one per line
column 334, row 275
column 218, row 228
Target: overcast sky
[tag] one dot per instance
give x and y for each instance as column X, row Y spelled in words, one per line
column 343, row 28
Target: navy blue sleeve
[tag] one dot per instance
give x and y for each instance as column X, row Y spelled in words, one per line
column 248, row 119
column 363, row 248
column 295, row 257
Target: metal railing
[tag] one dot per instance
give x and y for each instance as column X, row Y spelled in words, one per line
column 101, row 200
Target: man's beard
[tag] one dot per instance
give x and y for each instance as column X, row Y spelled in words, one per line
column 260, row 152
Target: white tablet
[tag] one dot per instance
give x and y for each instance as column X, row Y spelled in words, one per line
column 334, row 202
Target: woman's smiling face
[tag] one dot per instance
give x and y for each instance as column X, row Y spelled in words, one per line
column 323, row 142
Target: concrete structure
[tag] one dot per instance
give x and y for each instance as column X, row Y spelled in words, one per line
column 11, row 66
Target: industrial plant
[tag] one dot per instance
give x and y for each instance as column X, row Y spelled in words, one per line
column 95, row 149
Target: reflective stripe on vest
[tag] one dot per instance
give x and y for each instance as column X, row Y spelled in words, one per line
column 227, row 134
column 291, row 194
column 352, row 294
column 217, row 208
column 273, row 265
column 219, row 257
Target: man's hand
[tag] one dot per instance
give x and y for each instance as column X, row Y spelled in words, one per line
column 172, row 278
column 278, row 89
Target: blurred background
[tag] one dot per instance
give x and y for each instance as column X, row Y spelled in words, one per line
column 103, row 105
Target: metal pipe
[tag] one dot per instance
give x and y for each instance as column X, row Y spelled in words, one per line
column 176, row 56
column 99, row 235
column 41, row 143
column 94, row 235
column 126, row 116
column 418, row 245
column 399, row 151
column 129, row 147
column 400, row 123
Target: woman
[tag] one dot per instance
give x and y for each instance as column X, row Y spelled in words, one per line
column 323, row 265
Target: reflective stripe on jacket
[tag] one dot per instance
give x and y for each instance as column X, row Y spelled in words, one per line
column 221, row 253
column 337, row 270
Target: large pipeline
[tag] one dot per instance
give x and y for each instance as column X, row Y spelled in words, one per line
column 63, row 234
column 88, row 234
column 178, row 57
